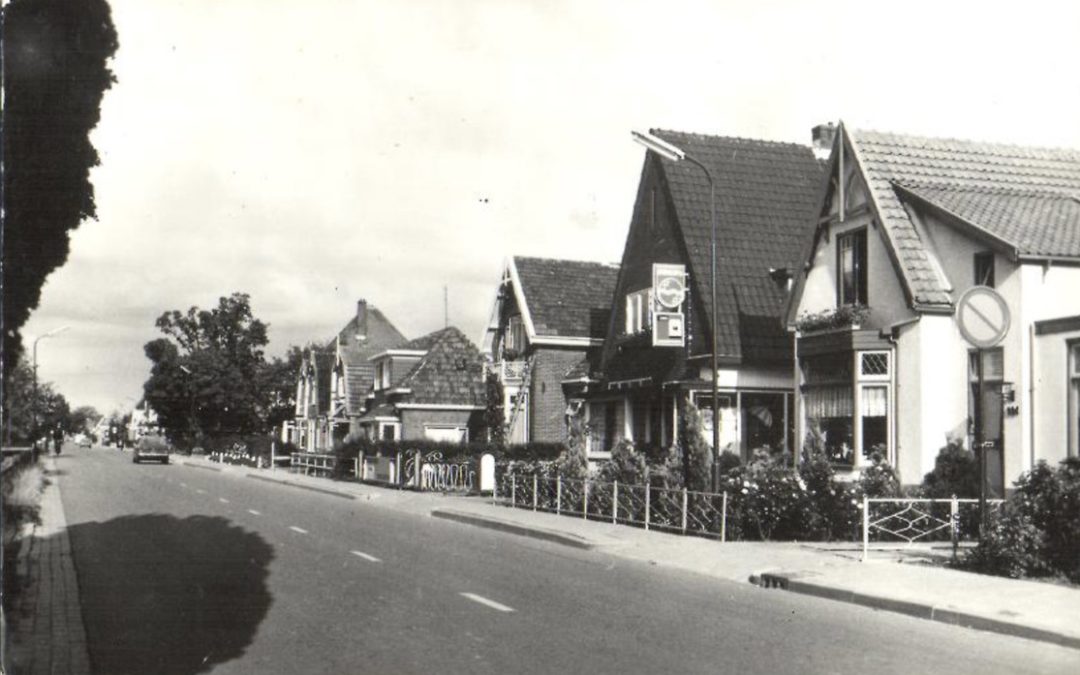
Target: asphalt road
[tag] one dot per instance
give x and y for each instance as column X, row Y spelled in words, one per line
column 184, row 570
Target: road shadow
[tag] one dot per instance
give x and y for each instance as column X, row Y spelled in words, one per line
column 168, row 595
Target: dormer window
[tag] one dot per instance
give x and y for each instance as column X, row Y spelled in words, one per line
column 851, row 268
column 638, row 311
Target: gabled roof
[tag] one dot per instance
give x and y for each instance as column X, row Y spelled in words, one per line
column 378, row 335
column 564, row 298
column 766, row 199
column 450, row 373
column 1024, row 197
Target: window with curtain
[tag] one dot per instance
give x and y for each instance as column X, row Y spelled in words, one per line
column 851, row 268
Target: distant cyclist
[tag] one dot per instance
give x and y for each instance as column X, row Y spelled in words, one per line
column 58, row 438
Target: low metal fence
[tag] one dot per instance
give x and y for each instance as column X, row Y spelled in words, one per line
column 892, row 521
column 313, row 464
column 672, row 510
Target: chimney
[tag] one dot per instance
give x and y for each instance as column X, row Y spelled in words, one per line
column 822, row 136
column 361, row 319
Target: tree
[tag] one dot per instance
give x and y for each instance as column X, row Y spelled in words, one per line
column 83, row 419
column 209, row 374
column 55, row 74
column 23, row 409
column 494, row 416
column 696, row 454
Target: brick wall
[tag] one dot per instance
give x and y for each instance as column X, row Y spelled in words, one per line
column 413, row 421
column 547, row 421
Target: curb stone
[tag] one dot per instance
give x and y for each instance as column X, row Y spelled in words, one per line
column 514, row 528
column 334, row 493
column 791, row 582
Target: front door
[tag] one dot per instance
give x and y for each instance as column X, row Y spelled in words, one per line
column 988, row 376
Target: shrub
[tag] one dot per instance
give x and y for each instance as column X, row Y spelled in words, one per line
column 626, row 465
column 833, row 512
column 727, row 461
column 767, row 499
column 956, row 472
column 880, row 479
column 1038, row 530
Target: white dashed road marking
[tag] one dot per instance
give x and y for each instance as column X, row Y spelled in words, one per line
column 488, row 603
column 365, row 556
column 254, row 512
column 183, row 484
column 223, row 500
column 200, row 491
column 297, row 529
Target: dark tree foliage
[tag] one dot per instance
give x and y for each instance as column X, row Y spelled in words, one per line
column 54, row 63
column 49, row 408
column 209, row 375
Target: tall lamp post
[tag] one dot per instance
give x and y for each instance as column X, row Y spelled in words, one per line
column 34, row 402
column 675, row 154
column 191, row 402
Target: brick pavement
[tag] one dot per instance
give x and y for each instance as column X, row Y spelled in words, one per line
column 46, row 629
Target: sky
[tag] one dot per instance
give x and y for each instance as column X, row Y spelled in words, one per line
column 314, row 153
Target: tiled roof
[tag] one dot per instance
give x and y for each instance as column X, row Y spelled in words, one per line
column 1033, row 223
column 1003, row 185
column 355, row 354
column 451, row 373
column 766, row 199
column 567, row 298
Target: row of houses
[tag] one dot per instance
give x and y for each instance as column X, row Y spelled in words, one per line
column 838, row 269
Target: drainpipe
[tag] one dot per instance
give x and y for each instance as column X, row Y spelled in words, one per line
column 1031, row 395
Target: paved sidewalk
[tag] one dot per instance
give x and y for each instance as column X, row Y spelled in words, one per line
column 46, row 625
column 1035, row 610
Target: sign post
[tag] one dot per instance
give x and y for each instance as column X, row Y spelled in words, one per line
column 983, row 318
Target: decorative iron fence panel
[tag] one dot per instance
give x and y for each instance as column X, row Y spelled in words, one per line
column 912, row 521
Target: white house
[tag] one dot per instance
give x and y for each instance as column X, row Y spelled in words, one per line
column 906, row 226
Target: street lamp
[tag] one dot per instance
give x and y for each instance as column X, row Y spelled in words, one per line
column 675, row 154
column 34, row 402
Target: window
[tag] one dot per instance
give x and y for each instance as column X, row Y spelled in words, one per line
column 515, row 334
column 446, row 433
column 388, row 431
column 984, row 269
column 851, row 268
column 850, row 411
column 638, row 311
column 1074, row 398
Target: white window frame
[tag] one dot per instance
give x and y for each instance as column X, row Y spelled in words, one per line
column 396, row 426
column 870, row 382
column 638, row 311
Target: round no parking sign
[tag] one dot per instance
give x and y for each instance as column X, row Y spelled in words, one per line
column 982, row 316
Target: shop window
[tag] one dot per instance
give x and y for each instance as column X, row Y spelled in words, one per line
column 851, row 268
column 763, row 419
column 729, row 421
column 984, row 269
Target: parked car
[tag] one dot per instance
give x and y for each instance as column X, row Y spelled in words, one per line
column 84, row 441
column 152, row 448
